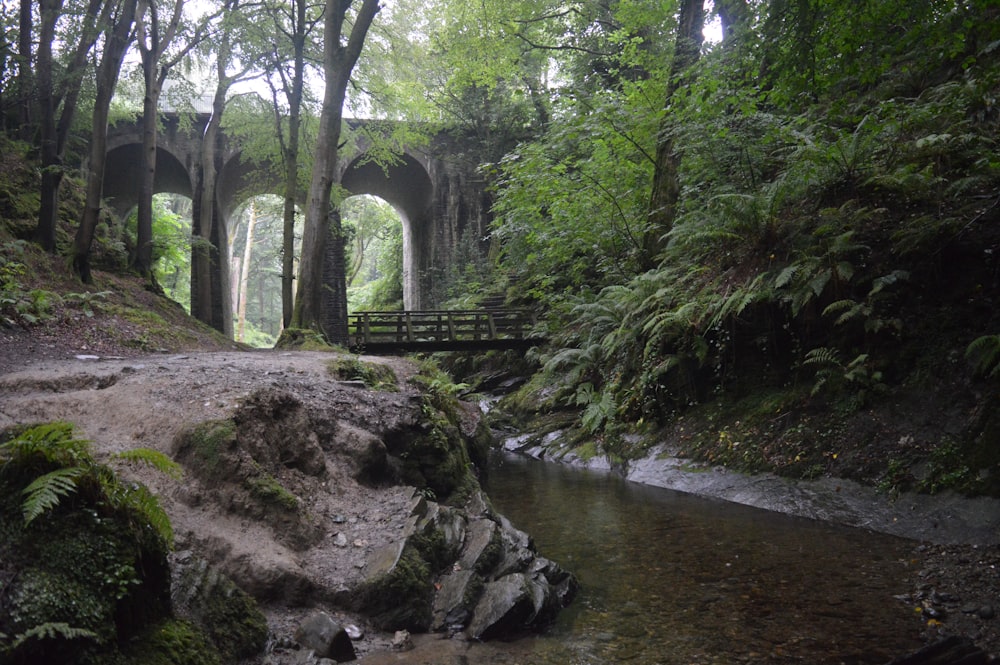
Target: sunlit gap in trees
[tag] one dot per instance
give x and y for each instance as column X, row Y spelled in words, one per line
column 171, row 245
column 255, row 263
column 374, row 246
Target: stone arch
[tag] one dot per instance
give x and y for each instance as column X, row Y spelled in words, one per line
column 122, row 172
column 407, row 187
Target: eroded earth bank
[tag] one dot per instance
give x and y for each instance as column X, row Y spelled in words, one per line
column 316, row 483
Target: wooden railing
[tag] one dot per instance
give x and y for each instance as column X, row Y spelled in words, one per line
column 441, row 330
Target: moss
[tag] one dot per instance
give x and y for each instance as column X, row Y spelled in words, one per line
column 374, row 375
column 304, row 339
column 171, row 642
column 438, row 460
column 433, row 549
column 587, row 451
column 492, row 555
column 401, row 599
column 267, row 489
column 207, row 444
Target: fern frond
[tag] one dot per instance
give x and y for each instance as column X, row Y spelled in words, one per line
column 54, row 630
column 823, row 355
column 45, row 492
column 984, row 352
column 880, row 283
column 152, row 458
column 786, row 276
column 52, row 443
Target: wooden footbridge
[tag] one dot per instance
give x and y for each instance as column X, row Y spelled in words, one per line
column 441, row 330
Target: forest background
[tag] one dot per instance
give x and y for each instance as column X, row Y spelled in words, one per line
column 787, row 233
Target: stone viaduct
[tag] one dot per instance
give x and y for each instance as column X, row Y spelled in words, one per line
column 436, row 189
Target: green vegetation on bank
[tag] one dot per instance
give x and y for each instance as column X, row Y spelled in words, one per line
column 85, row 577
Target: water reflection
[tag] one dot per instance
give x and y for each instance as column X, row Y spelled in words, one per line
column 671, row 578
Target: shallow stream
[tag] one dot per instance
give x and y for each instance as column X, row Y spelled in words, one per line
column 670, row 578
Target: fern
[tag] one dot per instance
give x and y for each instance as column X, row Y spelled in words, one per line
column 984, row 352
column 152, row 458
column 46, row 444
column 45, row 492
column 53, row 630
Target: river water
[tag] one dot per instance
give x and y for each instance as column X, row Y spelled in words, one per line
column 669, row 578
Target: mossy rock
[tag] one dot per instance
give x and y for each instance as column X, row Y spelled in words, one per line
column 83, row 575
column 209, row 446
column 171, row 642
column 402, row 598
column 303, row 339
column 228, row 616
column 374, row 375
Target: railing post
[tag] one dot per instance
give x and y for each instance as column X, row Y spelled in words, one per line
column 367, row 328
column 491, row 325
column 409, row 327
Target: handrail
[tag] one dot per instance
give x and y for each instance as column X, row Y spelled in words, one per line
column 442, row 329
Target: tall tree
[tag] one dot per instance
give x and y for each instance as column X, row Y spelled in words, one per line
column 24, row 77
column 154, row 41
column 295, row 27
column 321, row 298
column 117, row 37
column 666, row 179
column 210, row 301
column 57, row 101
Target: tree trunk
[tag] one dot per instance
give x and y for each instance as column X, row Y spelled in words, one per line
column 292, row 165
column 321, row 298
column 24, row 82
column 153, row 43
column 53, row 133
column 48, row 212
column 666, row 184
column 142, row 257
column 107, row 78
column 241, row 312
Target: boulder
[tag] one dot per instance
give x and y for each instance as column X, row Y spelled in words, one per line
column 455, row 571
column 325, row 637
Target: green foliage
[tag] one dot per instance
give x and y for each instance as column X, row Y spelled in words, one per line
column 52, row 631
column 949, row 469
column 984, row 352
column 171, row 642
column 87, row 301
column 437, row 384
column 90, row 549
column 18, row 304
column 374, row 375
column 45, row 492
column 35, row 449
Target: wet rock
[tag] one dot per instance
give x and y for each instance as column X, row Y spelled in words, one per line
column 455, row 599
column 949, row 651
column 507, row 606
column 325, row 637
column 402, row 641
column 453, row 571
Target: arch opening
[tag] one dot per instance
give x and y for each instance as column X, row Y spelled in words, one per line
column 406, row 186
column 374, row 243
